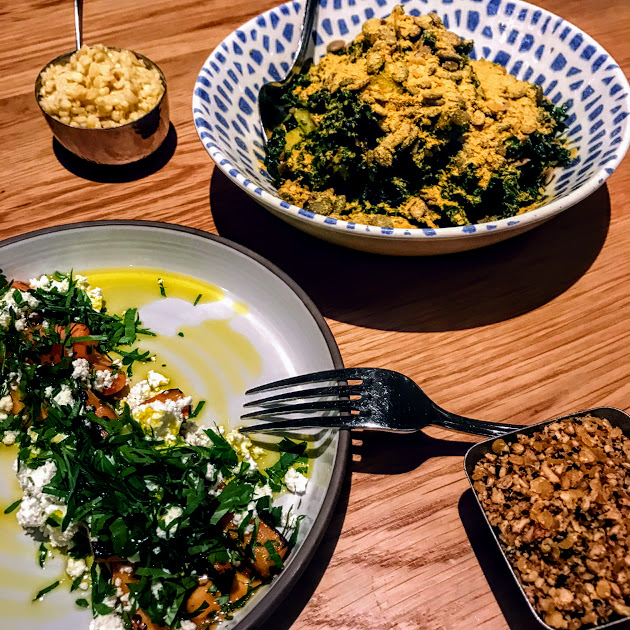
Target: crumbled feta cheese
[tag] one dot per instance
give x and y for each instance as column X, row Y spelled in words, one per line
column 211, row 471
column 103, row 379
column 111, row 602
column 30, row 299
column 214, row 491
column 96, row 297
column 138, row 394
column 43, row 282
column 188, row 625
column 64, row 397
column 75, row 568
column 48, row 392
column 81, row 281
column 162, row 418
column 6, row 404
column 10, row 308
column 173, row 513
column 107, row 622
column 61, row 285
column 244, row 448
column 94, row 293
column 46, row 283
column 14, row 378
column 143, row 390
column 295, row 481
column 9, row 438
column 157, row 380
column 239, row 517
column 262, row 491
column 81, row 369
column 37, row 506
column 194, row 435
column 156, row 587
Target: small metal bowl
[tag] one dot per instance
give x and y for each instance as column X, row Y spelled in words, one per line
column 114, row 145
column 616, row 417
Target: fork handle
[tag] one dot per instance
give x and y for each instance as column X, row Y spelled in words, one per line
column 454, row 422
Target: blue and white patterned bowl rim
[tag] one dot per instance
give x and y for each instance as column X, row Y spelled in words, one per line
column 589, row 178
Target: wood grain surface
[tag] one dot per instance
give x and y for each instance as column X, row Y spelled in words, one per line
column 522, row 331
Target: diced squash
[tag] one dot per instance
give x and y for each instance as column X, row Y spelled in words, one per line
column 197, row 598
column 244, row 580
column 122, row 576
column 262, row 562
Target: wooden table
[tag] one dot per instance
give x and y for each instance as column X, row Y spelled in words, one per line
column 523, row 331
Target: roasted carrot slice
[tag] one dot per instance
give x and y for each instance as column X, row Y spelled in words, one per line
column 100, row 409
column 170, row 394
column 262, row 562
column 200, row 595
column 122, row 576
column 120, row 382
column 80, row 349
column 85, row 350
column 76, row 330
column 21, row 286
column 244, row 580
column 54, row 356
column 16, row 397
column 120, row 378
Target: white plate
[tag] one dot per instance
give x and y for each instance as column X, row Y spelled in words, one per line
column 278, row 320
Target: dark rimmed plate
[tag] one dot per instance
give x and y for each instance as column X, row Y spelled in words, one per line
column 291, row 329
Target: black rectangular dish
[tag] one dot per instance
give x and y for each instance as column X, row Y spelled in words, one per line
column 475, row 454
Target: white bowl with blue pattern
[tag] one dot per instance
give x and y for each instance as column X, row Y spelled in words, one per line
column 533, row 44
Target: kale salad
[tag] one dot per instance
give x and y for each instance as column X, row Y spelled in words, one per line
column 402, row 128
column 163, row 524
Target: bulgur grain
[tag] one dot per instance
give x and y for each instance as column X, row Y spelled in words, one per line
column 100, row 87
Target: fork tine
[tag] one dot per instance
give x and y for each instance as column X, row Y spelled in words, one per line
column 314, row 422
column 314, row 377
column 322, row 405
column 333, row 390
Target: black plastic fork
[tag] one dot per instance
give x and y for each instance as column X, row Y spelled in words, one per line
column 383, row 400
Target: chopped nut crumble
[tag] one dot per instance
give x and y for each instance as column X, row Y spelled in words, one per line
column 560, row 500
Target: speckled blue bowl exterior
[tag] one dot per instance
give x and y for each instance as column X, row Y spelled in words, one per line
column 532, row 44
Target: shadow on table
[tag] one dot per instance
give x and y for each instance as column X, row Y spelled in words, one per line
column 509, row 597
column 117, row 174
column 427, row 294
column 382, row 453
column 296, row 599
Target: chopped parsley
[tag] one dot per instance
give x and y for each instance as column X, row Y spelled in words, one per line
column 170, row 515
